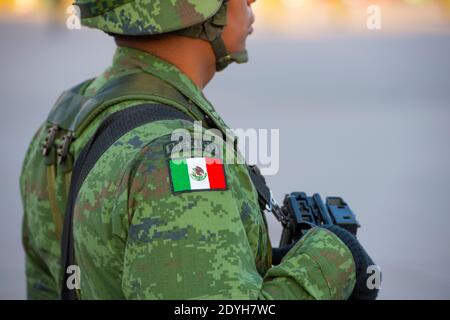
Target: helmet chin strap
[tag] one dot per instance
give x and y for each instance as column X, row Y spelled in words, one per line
column 223, row 58
column 211, row 31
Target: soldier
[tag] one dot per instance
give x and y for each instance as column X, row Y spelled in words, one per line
column 146, row 224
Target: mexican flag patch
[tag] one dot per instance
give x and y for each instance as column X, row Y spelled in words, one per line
column 197, row 174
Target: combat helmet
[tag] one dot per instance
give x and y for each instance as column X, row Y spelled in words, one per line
column 204, row 19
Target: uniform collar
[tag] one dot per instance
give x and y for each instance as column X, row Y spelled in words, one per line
column 128, row 58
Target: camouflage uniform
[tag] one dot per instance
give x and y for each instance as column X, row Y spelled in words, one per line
column 137, row 239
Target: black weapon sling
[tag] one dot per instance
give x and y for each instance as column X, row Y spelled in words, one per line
column 112, row 128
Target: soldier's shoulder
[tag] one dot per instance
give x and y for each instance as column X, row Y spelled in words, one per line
column 145, row 143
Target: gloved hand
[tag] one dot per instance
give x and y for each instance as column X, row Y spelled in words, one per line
column 362, row 262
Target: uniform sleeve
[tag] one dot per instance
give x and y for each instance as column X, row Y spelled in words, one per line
column 39, row 281
column 194, row 245
column 319, row 266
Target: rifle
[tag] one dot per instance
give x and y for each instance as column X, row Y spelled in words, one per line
column 303, row 213
column 300, row 213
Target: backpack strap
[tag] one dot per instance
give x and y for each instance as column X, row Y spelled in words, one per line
column 67, row 106
column 74, row 111
column 112, row 128
column 136, row 86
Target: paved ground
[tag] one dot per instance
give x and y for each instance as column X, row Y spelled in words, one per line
column 366, row 118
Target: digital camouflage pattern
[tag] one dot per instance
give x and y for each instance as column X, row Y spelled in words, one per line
column 136, row 239
column 145, row 17
column 190, row 18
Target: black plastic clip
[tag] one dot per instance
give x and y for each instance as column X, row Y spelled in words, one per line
column 49, row 140
column 64, row 147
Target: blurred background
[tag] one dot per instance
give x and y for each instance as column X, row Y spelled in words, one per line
column 364, row 113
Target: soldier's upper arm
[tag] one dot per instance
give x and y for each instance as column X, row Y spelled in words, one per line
column 186, row 237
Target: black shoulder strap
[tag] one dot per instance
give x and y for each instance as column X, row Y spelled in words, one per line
column 114, row 127
column 111, row 129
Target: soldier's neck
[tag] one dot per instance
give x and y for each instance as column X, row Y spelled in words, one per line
column 194, row 57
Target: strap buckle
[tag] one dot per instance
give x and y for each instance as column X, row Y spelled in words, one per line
column 49, row 140
column 272, row 203
column 63, row 149
column 273, row 207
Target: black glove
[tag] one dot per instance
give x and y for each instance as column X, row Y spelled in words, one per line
column 362, row 262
